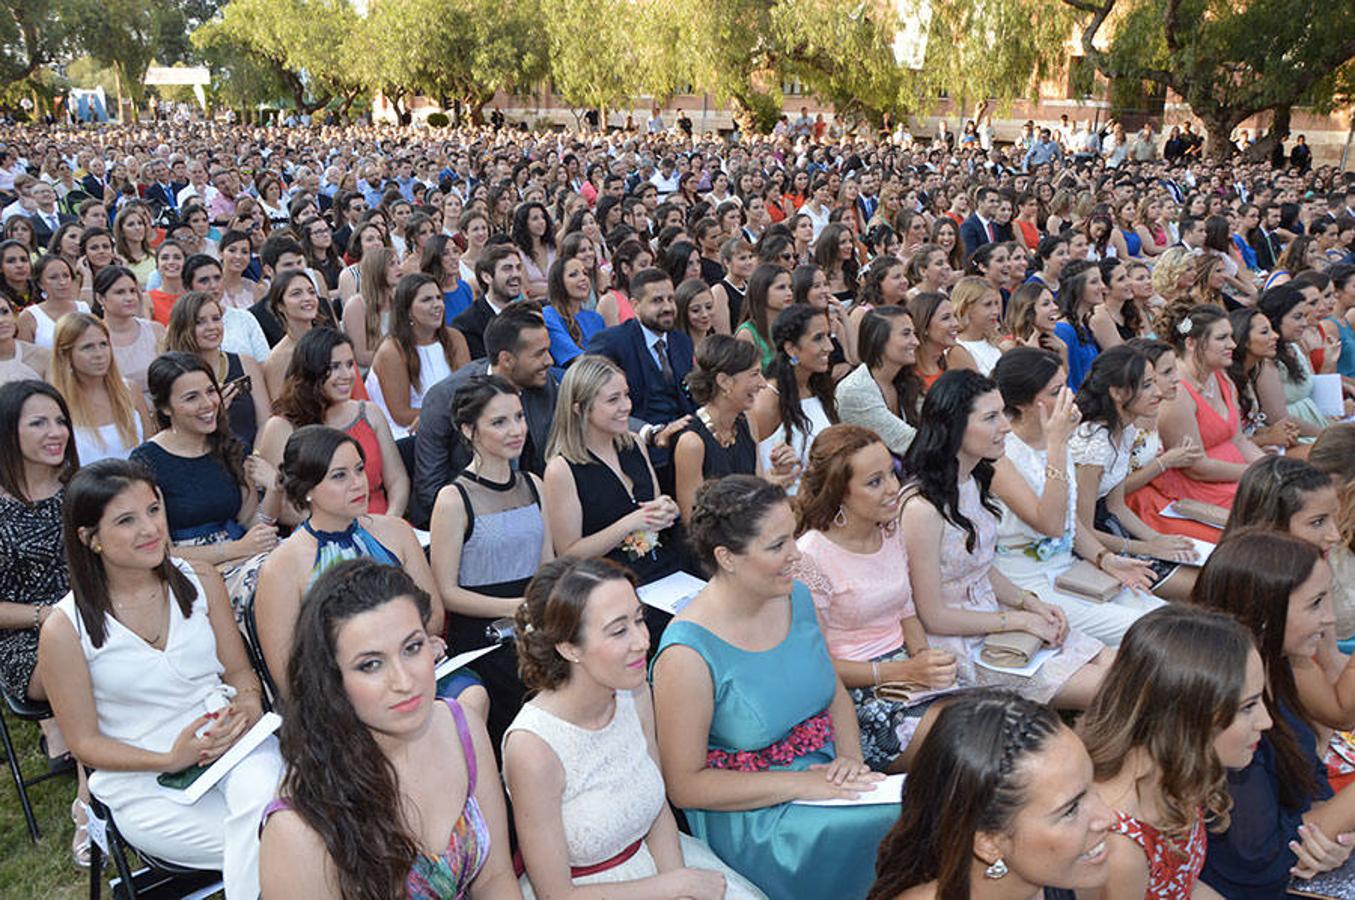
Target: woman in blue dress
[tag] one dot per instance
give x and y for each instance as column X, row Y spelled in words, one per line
column 751, row 715
column 570, row 324
column 1081, row 291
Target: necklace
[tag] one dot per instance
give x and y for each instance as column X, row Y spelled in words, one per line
column 156, row 595
column 716, row 432
column 1206, row 388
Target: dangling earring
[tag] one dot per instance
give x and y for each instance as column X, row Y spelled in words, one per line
column 793, row 359
column 840, row 520
column 997, row 870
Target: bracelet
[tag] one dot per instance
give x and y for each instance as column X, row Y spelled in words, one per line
column 1021, row 599
column 875, row 672
column 1161, row 466
column 1053, row 474
column 37, row 615
column 249, row 690
column 265, row 519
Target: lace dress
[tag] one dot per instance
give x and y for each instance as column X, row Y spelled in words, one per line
column 32, row 570
column 965, row 585
column 613, row 793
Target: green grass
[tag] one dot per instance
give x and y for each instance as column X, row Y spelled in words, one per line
column 43, row 870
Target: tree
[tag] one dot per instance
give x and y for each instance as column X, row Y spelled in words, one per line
column 32, row 35
column 304, row 43
column 458, row 51
column 1228, row 60
column 120, row 34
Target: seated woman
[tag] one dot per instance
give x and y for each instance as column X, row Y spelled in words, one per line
column 882, row 394
column 769, row 292
column 1081, row 291
column 367, row 315
column 1001, row 771
column 950, row 526
column 979, row 306
column 196, row 326
column 1121, row 389
column 1180, row 709
column 322, row 474
column 169, row 260
column 1334, row 455
column 571, row 326
column 751, row 715
column 441, row 261
column 136, row 617
column 135, row 340
column 54, row 281
column 1257, row 345
column 798, row 403
column 1205, row 415
column 19, row 360
column 1032, row 315
column 318, row 390
column 419, row 351
column 1116, row 319
column 1286, row 388
column 938, row 333
column 241, row 332
column 602, row 496
column 848, row 517
column 362, row 684
column 211, row 489
column 1040, row 533
column 581, row 761
column 108, row 418
column 489, row 535
column 1285, row 820
column 293, row 300
column 718, row 441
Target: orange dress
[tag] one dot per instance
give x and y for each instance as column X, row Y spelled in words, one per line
column 1216, row 433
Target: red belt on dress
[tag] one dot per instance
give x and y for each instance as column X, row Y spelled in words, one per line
column 519, row 866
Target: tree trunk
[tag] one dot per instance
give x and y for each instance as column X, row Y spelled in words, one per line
column 1263, row 149
column 1219, row 131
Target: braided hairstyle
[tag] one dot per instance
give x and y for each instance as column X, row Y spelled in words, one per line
column 552, row 612
column 728, row 513
column 977, row 759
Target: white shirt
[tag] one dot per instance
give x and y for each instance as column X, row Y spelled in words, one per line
column 207, row 194
column 652, row 338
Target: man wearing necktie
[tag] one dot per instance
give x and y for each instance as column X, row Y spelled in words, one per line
column 979, row 228
column 46, row 218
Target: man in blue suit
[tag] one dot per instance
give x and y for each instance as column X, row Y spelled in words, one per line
column 979, row 228
column 656, row 359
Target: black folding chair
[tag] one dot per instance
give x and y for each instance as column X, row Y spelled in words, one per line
column 32, row 711
column 155, row 877
column 250, row 632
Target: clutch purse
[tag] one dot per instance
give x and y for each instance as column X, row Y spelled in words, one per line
column 1088, row 582
column 1200, row 511
column 1010, row 649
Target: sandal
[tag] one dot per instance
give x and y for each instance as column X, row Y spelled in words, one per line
column 80, row 843
column 57, row 765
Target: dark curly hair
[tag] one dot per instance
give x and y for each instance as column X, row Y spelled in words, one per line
column 1119, row 367
column 302, row 401
column 792, row 324
column 728, row 513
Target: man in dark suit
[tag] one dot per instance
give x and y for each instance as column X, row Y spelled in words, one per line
column 46, row 218
column 979, row 228
column 656, row 359
column 499, row 272
column 518, row 348
column 1265, row 241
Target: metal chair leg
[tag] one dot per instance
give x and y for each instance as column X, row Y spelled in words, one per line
column 12, row 757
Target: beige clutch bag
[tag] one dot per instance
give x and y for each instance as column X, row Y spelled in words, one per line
column 1010, row 649
column 1200, row 511
column 1088, row 582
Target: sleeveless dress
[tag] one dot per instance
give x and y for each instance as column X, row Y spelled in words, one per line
column 985, row 354
column 354, row 542
column 218, row 831
column 800, row 441
column 244, row 421
column 362, row 431
column 739, row 458
column 450, row 874
column 1032, row 560
column 613, row 793
column 500, row 552
column 433, row 367
column 770, row 706
column 1172, row 869
column 135, row 358
column 1216, row 433
column 862, row 616
column 604, row 499
column 15, row 368
column 104, row 442
column 759, row 342
column 32, row 570
column 965, row 585
column 1346, row 364
column 44, row 326
column 735, row 298
column 1298, row 392
column 1132, row 242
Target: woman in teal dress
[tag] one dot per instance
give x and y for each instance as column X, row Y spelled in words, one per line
column 752, row 716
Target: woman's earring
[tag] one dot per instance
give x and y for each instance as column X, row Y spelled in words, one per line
column 793, row 359
column 840, row 520
column 997, row 870
column 96, row 547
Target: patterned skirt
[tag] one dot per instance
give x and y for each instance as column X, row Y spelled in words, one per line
column 886, row 725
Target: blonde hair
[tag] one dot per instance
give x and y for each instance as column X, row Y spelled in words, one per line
column 581, row 385
column 1167, row 272
column 69, row 329
column 967, row 292
column 377, row 293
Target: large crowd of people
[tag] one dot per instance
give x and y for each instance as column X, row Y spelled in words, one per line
column 1021, row 470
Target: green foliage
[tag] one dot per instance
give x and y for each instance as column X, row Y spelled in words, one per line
column 439, row 120
column 32, row 34
column 117, row 33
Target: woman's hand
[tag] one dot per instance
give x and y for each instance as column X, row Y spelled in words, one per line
column 219, row 730
column 260, row 472
column 1173, row 548
column 1044, row 620
column 785, row 465
column 664, row 437
column 1183, row 455
column 1059, row 420
column 931, row 668
column 1280, row 434
column 693, row 884
column 1318, row 853
column 249, row 704
column 1132, row 573
column 261, row 538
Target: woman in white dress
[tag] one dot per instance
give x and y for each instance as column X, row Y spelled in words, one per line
column 109, row 419
column 59, row 291
column 1039, row 537
column 799, row 402
column 580, row 759
column 979, row 306
column 147, row 673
